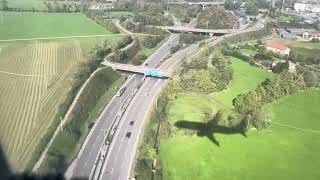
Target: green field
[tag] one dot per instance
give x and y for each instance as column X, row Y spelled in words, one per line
column 27, row 4
column 246, row 78
column 288, row 150
column 249, row 52
column 36, row 75
column 294, row 43
column 23, row 25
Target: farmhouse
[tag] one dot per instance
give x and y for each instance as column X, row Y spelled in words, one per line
column 278, row 48
column 311, row 35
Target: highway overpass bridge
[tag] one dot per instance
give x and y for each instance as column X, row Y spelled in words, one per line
column 136, row 69
column 211, row 32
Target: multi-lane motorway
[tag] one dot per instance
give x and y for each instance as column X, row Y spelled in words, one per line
column 83, row 165
column 119, row 159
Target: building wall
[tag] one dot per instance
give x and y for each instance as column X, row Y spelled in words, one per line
column 299, row 7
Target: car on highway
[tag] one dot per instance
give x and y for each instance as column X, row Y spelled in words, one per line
column 121, row 91
column 131, row 123
column 128, row 134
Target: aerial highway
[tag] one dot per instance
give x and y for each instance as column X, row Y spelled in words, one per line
column 89, row 153
column 121, row 151
column 121, row 156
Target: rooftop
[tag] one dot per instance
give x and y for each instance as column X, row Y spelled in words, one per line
column 277, row 46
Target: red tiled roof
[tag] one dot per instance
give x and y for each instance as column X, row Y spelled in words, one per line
column 316, row 34
column 277, row 46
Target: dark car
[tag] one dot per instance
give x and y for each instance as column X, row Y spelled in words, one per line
column 131, row 123
column 128, row 134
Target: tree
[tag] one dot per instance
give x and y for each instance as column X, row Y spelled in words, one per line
column 173, row 88
column 198, row 81
column 4, row 4
column 56, row 6
column 252, row 9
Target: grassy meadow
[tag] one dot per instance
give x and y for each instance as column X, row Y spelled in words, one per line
column 27, row 4
column 288, row 150
column 36, row 75
column 24, row 25
column 294, row 43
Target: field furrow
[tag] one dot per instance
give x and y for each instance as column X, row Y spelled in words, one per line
column 28, row 104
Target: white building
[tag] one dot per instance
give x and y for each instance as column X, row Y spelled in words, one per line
column 313, row 8
column 311, row 35
column 300, row 7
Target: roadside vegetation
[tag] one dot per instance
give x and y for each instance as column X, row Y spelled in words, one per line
column 216, row 18
column 184, row 12
column 91, row 103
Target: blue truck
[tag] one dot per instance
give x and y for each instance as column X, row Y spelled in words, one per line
column 152, row 73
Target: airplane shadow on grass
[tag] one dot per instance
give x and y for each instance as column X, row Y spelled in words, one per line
column 210, row 128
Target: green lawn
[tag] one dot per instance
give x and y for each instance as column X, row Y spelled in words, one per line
column 249, row 52
column 294, row 43
column 246, row 78
column 27, row 4
column 17, row 25
column 277, row 153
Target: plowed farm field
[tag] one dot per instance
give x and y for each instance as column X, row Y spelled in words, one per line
column 34, row 81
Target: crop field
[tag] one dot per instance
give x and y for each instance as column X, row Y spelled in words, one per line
column 34, row 80
column 36, row 75
column 24, row 25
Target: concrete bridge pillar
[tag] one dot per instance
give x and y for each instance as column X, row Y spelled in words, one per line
column 203, row 6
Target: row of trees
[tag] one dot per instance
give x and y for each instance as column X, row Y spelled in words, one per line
column 56, row 6
column 152, row 14
column 304, row 55
column 205, row 73
column 126, row 55
column 151, row 41
column 250, row 104
column 4, row 5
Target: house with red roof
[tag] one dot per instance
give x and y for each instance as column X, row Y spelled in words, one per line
column 311, row 35
column 278, row 48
